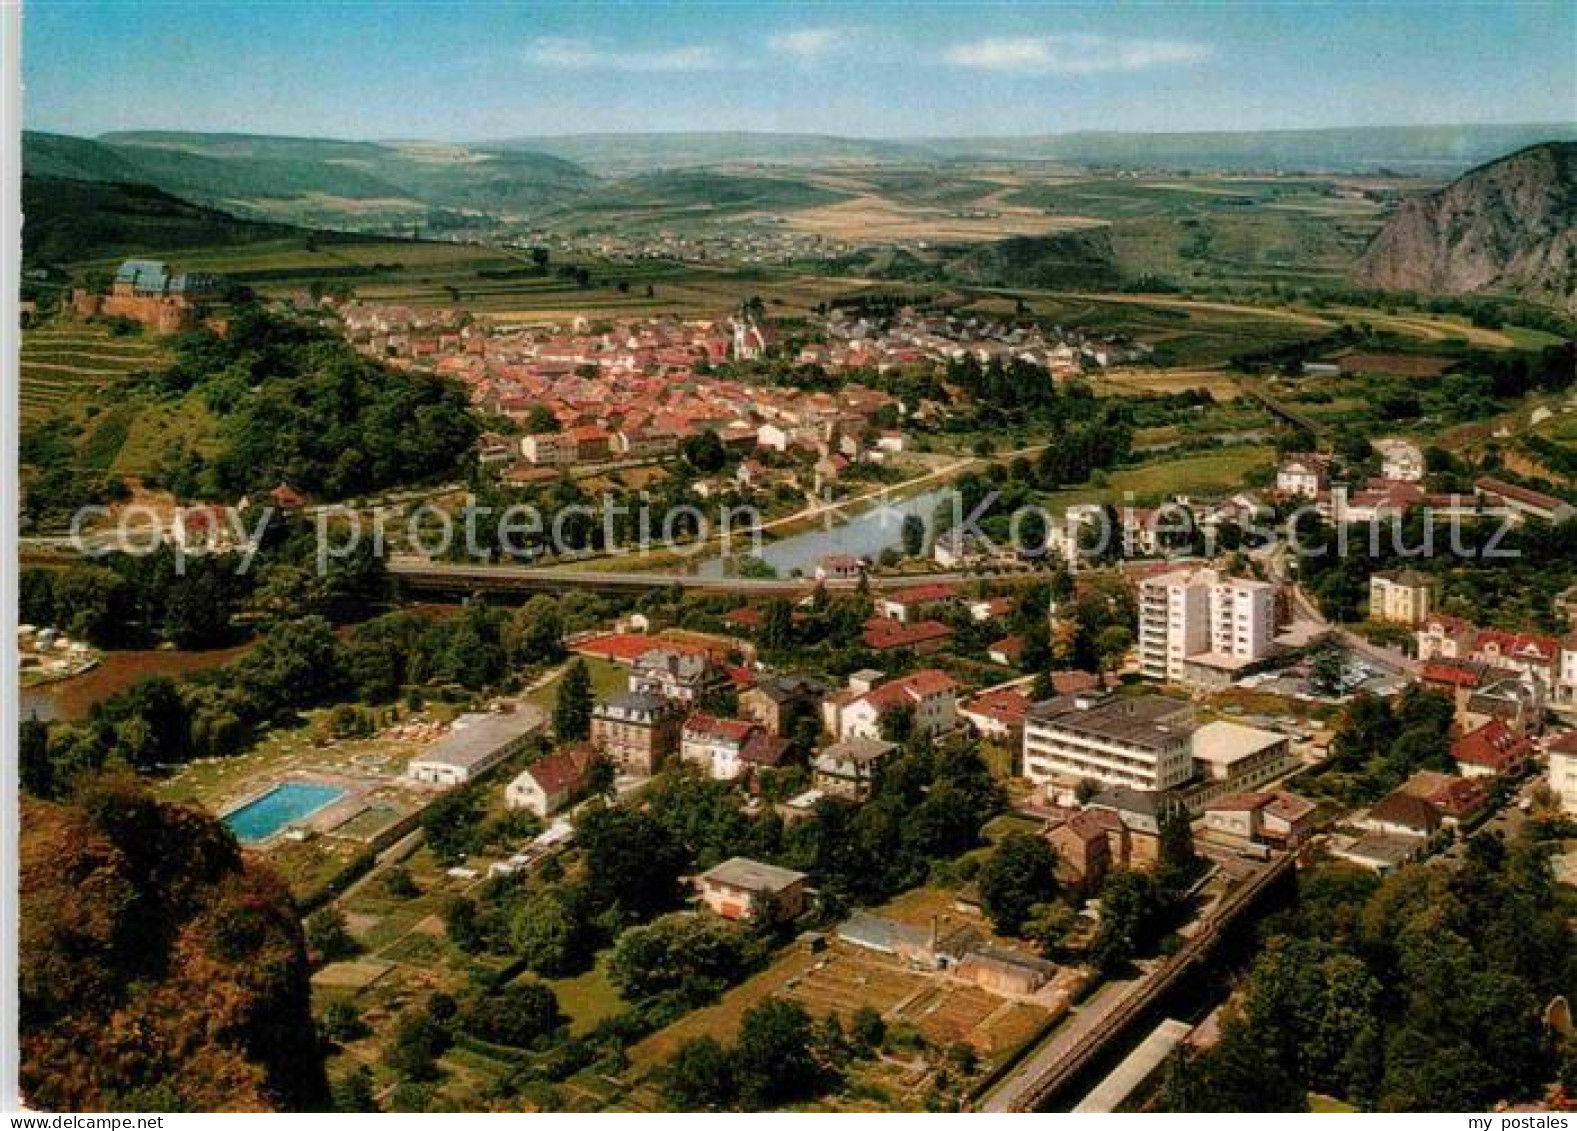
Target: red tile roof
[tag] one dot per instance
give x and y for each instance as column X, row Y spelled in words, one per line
column 716, row 729
column 882, row 634
column 566, row 770
column 1453, row 673
column 922, row 594
column 1006, row 705
column 1494, row 746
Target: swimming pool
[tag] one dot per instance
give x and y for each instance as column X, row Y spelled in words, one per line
column 283, row 805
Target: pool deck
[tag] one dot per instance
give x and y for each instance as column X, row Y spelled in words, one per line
column 356, row 798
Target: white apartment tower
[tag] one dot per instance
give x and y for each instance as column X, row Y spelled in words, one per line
column 1204, row 618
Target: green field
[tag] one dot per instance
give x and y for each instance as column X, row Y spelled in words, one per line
column 67, row 365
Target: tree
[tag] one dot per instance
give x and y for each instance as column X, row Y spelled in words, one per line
column 549, row 934
column 704, row 452
column 36, row 772
column 342, row 1022
column 1128, row 909
column 329, row 937
column 354, row 1091
column 1328, row 668
column 1019, row 874
column 419, row 1040
column 1049, row 924
column 777, row 626
column 521, row 1015
column 867, row 1030
column 896, row 724
column 773, row 1063
column 697, row 956
column 633, row 863
column 572, row 709
column 451, row 824
column 535, row 634
column 1112, row 644
column 698, row 1077
column 913, row 534
column 1178, row 862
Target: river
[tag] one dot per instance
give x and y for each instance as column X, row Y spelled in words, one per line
column 70, row 699
column 865, row 535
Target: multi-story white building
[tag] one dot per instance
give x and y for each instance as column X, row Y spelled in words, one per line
column 1142, row 742
column 1566, row 677
column 1201, row 619
column 1563, row 770
column 1305, row 475
column 715, row 745
column 930, row 695
column 1400, row 460
column 1401, row 596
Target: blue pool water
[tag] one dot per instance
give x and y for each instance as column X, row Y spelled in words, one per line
column 281, row 806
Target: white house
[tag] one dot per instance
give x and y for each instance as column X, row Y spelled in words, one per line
column 715, row 745
column 1400, row 460
column 549, row 785
column 930, row 694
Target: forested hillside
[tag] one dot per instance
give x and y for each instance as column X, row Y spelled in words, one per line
column 158, row 971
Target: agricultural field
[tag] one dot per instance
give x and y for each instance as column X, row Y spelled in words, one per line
column 938, row 1011
column 66, row 365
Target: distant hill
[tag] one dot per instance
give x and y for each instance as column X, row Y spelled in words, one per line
column 1407, row 149
column 1066, row 259
column 693, row 194
column 626, row 154
column 1508, row 227
column 66, row 221
column 309, row 179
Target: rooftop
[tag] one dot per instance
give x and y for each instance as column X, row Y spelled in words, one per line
column 1224, row 744
column 752, row 875
column 475, row 738
column 1150, row 721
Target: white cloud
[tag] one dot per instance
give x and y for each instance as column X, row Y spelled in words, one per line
column 585, row 55
column 1073, row 54
column 808, row 43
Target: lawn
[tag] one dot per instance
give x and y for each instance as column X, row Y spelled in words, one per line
column 588, row 998
column 607, row 679
column 1196, row 474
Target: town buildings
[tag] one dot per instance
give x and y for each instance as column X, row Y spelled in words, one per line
column 1563, row 770
column 638, row 731
column 556, row 781
column 680, row 675
column 1141, row 742
column 1201, row 626
column 475, row 744
column 847, row 769
column 715, row 745
column 1401, row 596
column 745, row 889
column 929, row 695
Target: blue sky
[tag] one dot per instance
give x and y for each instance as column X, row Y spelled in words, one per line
column 474, row 71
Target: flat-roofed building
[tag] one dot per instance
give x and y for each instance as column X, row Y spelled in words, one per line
column 1193, row 621
column 1141, row 742
column 741, row 888
column 1401, row 596
column 1233, row 758
column 475, row 744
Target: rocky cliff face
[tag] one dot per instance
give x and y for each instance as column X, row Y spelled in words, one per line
column 1509, row 227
